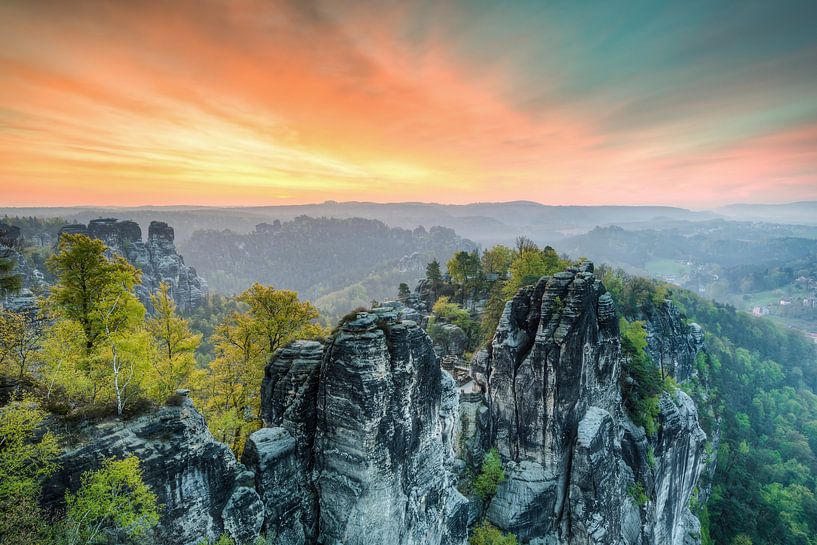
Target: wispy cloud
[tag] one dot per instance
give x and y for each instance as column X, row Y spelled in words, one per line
column 254, row 102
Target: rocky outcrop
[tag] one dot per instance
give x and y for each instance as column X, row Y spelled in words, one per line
column 365, row 438
column 574, row 459
column 671, row 342
column 202, row 489
column 156, row 258
column 361, row 441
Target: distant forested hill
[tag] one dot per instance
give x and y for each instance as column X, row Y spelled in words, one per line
column 319, row 256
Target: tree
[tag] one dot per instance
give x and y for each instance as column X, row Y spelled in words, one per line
column 9, row 281
column 24, row 462
column 85, row 280
column 233, row 382
column 465, row 269
column 278, row 316
column 497, row 260
column 524, row 244
column 111, row 502
column 641, row 381
column 175, row 355
column 96, row 293
column 20, row 336
column 433, row 272
column 403, row 292
column 530, row 265
column 243, row 344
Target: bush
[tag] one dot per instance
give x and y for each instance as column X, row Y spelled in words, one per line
column 636, row 492
column 641, row 380
column 490, row 475
column 488, row 534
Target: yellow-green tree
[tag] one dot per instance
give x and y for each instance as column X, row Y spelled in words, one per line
column 530, row 265
column 233, row 383
column 174, row 358
column 93, row 297
column 24, row 462
column 112, row 502
column 497, row 260
column 243, row 344
column 487, row 534
column 20, row 336
column 279, row 317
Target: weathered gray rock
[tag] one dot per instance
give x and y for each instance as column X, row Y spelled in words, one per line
column 680, row 459
column 572, row 455
column 156, row 258
column 361, row 439
column 671, row 343
column 450, row 340
column 282, row 483
column 202, row 488
column 381, row 452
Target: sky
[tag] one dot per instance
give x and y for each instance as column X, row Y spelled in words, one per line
column 250, row 102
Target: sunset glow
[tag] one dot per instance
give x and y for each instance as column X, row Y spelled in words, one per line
column 257, row 102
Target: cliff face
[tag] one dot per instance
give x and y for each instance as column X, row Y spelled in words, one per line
column 573, row 458
column 365, row 436
column 671, row 343
column 365, row 426
column 203, row 489
column 157, row 258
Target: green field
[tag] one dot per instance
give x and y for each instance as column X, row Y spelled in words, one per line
column 663, row 267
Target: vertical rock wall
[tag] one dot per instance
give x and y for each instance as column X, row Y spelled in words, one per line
column 156, row 258
column 573, row 458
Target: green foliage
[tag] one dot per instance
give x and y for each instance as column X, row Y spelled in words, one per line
column 637, row 493
column 10, row 282
column 490, row 475
column 488, row 534
column 755, row 381
column 111, row 501
column 175, row 346
column 527, row 266
column 433, row 272
column 445, row 312
column 243, row 343
column 641, row 380
column 94, row 298
column 20, row 337
column 760, row 380
column 25, row 461
column 492, row 313
column 497, row 260
column 90, row 284
column 530, row 265
column 403, row 291
column 465, row 269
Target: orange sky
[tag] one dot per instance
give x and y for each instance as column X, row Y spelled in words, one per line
column 250, row 102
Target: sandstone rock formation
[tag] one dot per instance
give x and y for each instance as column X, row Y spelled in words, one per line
column 364, row 433
column 551, row 378
column 202, row 489
column 156, row 258
column 365, row 438
column 671, row 343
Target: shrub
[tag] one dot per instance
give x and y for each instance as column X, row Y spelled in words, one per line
column 488, row 534
column 489, row 476
column 636, row 492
